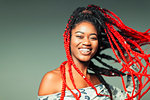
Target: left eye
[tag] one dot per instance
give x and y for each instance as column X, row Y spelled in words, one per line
column 93, row 38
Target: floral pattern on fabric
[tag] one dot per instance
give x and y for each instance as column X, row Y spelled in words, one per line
column 90, row 94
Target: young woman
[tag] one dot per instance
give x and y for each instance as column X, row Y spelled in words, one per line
column 89, row 31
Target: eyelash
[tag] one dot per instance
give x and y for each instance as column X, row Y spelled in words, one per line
column 94, row 38
column 81, row 37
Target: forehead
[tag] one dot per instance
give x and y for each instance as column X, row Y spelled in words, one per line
column 84, row 26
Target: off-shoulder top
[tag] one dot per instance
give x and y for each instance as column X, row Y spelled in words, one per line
column 89, row 93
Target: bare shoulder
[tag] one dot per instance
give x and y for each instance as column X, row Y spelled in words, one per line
column 51, row 83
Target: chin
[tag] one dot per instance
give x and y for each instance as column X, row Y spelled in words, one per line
column 82, row 58
column 85, row 59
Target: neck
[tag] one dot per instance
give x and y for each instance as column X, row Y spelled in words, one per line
column 82, row 66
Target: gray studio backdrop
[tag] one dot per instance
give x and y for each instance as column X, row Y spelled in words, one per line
column 31, row 41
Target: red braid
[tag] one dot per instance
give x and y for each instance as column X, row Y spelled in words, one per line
column 139, row 38
column 70, row 62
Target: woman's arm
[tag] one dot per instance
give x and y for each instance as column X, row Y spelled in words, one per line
column 132, row 85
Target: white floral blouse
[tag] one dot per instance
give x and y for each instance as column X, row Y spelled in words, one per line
column 90, row 94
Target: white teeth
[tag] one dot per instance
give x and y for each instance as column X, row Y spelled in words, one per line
column 85, row 50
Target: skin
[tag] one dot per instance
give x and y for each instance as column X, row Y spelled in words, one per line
column 84, row 35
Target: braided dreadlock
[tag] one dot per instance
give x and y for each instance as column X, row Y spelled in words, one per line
column 122, row 40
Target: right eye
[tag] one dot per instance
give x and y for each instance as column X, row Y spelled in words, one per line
column 80, row 37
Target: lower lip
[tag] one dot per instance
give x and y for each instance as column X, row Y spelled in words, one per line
column 85, row 53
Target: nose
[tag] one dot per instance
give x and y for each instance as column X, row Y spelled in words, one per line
column 86, row 42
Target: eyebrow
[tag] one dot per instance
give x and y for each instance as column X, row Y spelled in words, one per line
column 83, row 33
column 93, row 34
column 79, row 32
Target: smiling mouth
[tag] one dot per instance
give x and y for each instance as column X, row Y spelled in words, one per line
column 85, row 51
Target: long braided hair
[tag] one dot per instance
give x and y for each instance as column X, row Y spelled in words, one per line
column 124, row 39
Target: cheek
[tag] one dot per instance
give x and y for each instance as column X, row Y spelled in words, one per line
column 74, row 42
column 95, row 46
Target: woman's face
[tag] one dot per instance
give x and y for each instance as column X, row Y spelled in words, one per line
column 84, row 41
